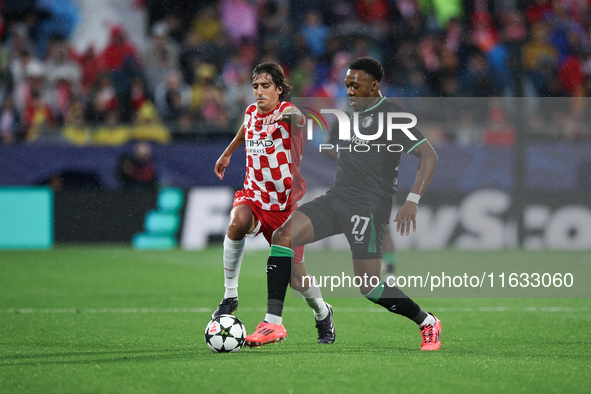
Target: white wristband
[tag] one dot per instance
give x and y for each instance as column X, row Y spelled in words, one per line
column 413, row 197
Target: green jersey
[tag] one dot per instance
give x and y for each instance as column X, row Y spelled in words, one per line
column 367, row 170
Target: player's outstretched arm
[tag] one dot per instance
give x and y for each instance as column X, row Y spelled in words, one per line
column 288, row 115
column 407, row 214
column 224, row 160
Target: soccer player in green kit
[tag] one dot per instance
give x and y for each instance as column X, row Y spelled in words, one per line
column 358, row 205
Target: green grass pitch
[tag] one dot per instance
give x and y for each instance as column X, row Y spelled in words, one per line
column 115, row 320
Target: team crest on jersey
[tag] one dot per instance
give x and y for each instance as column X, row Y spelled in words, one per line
column 271, row 128
column 367, row 122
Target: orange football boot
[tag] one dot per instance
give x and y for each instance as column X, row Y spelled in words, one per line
column 266, row 333
column 431, row 334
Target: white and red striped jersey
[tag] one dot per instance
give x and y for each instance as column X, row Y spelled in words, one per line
column 273, row 154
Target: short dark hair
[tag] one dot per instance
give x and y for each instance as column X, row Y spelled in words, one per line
column 276, row 73
column 370, row 65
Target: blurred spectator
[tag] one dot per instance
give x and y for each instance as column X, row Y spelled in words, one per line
column 338, row 68
column 147, row 125
column 184, row 127
column 537, row 49
column 212, row 111
column 172, row 96
column 204, row 76
column 484, row 31
column 90, row 66
column 19, row 42
column 160, row 56
column 449, row 87
column 538, row 10
column 234, row 71
column 239, row 95
column 34, row 81
column 63, row 76
column 38, row 119
column 120, row 59
column 102, row 99
column 244, row 26
column 570, row 75
column 416, row 85
column 76, row 130
column 112, row 132
column 137, row 171
column 545, row 81
column 364, row 45
column 453, row 34
column 315, row 33
column 175, row 27
column 191, row 56
column 372, row 11
column 118, row 51
column 137, row 96
column 498, row 59
column 19, row 66
column 514, row 26
column 269, row 51
column 208, row 101
column 157, row 70
column 273, row 16
column 274, row 25
column 335, row 12
column 9, row 122
column 208, row 26
column 476, row 80
column 302, row 77
column 247, row 50
column 429, row 52
column 297, row 51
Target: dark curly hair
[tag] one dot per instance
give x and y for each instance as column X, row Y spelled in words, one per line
column 370, row 65
column 277, row 75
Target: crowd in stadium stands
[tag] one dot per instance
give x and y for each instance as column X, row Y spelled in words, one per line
column 193, row 79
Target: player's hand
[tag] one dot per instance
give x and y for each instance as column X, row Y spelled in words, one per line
column 220, row 166
column 406, row 215
column 273, row 118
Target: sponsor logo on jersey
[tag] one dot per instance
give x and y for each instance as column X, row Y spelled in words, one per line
column 358, row 141
column 258, row 147
column 259, row 143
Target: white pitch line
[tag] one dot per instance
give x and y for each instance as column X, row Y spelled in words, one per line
column 339, row 310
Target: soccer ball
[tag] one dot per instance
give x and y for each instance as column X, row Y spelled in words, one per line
column 225, row 334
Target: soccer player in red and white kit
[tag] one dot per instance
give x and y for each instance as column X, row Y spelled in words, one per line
column 272, row 187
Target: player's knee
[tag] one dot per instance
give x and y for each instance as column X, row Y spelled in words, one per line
column 281, row 237
column 238, row 227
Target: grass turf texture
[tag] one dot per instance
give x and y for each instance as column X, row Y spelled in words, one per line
column 117, row 320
